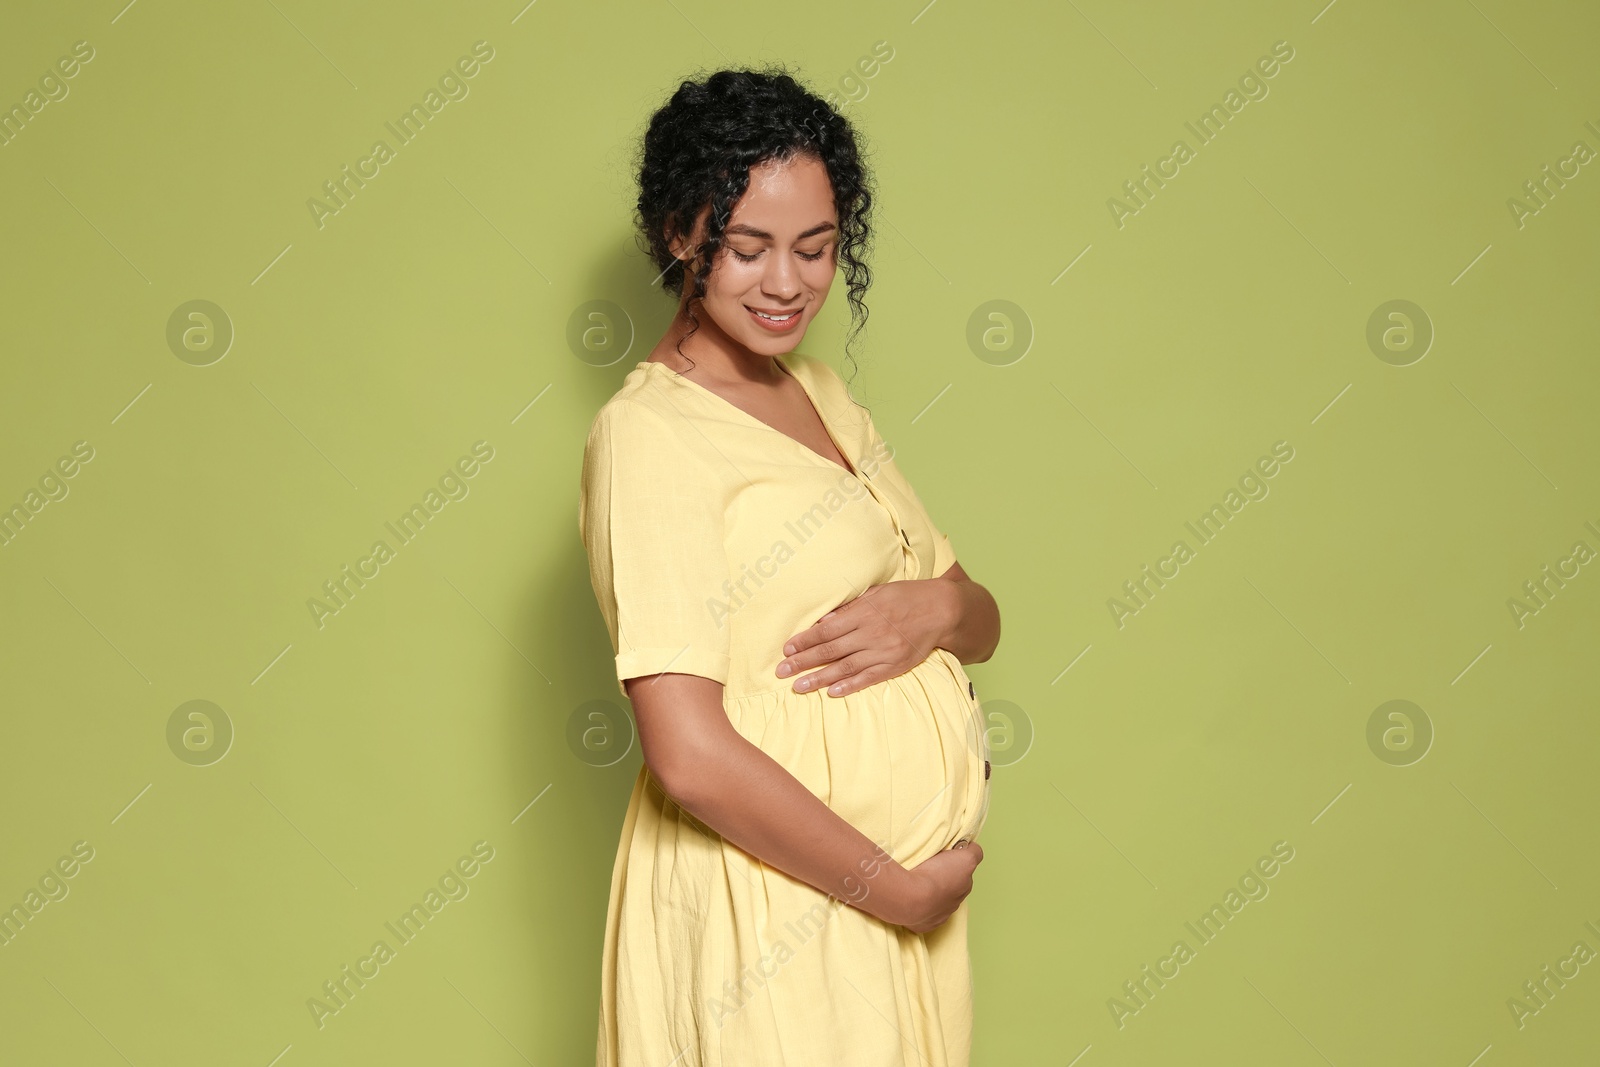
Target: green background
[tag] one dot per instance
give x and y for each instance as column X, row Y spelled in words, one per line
column 1142, row 767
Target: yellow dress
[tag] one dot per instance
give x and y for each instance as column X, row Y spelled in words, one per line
column 713, row 538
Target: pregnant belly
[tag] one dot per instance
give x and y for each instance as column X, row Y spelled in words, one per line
column 903, row 761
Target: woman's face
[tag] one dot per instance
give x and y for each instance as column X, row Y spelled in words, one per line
column 778, row 256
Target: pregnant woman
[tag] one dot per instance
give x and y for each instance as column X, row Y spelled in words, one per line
column 790, row 627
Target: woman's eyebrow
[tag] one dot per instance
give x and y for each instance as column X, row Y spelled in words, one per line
column 741, row 229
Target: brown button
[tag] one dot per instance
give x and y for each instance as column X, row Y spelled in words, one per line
column 986, row 770
column 971, row 692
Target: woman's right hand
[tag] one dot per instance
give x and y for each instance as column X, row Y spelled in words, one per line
column 943, row 881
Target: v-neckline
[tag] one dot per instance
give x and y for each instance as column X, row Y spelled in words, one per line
column 804, row 388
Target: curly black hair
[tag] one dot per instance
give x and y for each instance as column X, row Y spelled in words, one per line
column 699, row 149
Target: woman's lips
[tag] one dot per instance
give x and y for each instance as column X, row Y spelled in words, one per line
column 775, row 327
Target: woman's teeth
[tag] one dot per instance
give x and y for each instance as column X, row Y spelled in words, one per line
column 775, row 323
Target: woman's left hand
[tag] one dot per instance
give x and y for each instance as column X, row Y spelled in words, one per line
column 880, row 634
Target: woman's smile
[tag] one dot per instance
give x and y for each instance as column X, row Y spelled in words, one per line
column 776, row 321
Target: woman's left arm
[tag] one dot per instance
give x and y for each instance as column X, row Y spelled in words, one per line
column 970, row 618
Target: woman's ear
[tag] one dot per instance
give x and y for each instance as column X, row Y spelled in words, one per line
column 681, row 251
column 675, row 241
column 683, row 246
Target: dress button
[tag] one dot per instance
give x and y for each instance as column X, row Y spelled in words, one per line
column 971, row 692
column 986, row 770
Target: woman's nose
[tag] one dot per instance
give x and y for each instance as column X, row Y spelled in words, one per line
column 782, row 279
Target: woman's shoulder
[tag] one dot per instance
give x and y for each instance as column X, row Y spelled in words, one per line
column 645, row 423
column 628, row 422
column 638, row 405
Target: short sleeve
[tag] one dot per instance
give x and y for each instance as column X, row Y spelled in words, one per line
column 925, row 536
column 651, row 518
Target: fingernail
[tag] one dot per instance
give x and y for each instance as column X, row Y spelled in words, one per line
column 788, row 650
column 784, row 670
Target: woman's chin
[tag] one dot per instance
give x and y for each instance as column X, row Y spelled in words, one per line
column 772, row 346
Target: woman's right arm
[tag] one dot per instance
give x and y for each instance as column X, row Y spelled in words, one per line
column 751, row 800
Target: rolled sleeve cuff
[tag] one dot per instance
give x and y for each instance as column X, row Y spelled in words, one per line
column 641, row 661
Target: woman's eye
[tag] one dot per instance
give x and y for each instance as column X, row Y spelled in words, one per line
column 809, row 256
